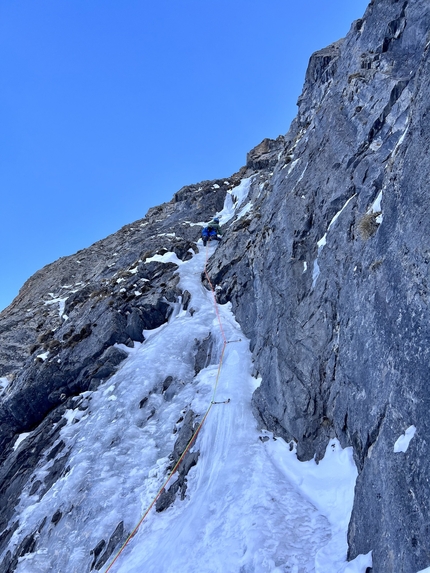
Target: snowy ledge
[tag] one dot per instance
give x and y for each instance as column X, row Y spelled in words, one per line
column 402, row 443
column 329, row 486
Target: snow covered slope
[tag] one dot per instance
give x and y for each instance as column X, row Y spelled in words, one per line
column 108, row 358
column 250, row 506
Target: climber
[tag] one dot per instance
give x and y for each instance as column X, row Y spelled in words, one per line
column 212, row 232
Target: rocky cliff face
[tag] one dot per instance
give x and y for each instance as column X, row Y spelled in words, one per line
column 327, row 269
column 332, row 287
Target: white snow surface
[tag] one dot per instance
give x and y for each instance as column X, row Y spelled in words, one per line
column 401, row 139
column 20, row 439
column 43, row 356
column 166, row 258
column 402, row 443
column 61, row 303
column 234, row 199
column 250, row 506
column 245, row 210
column 315, row 270
column 376, row 208
column 4, row 383
column 293, row 164
column 425, row 570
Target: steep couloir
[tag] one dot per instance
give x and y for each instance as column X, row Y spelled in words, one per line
column 326, row 267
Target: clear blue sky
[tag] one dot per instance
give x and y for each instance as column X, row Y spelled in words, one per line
column 107, row 107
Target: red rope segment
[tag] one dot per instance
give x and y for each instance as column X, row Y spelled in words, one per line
column 193, row 437
column 214, row 297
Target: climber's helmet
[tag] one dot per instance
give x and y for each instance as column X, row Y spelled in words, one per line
column 216, row 220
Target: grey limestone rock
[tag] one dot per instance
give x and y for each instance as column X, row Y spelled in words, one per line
column 204, row 351
column 184, row 436
column 327, row 273
column 102, row 552
column 338, row 321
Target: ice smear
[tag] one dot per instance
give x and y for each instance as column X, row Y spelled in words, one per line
column 43, row 356
column 292, row 165
column 401, row 139
column 329, row 486
column 241, row 191
column 315, row 271
column 376, row 208
column 4, row 383
column 61, row 303
column 246, row 209
column 376, row 144
column 250, row 504
column 20, row 439
column 234, row 199
column 335, row 218
column 166, row 258
column 402, row 443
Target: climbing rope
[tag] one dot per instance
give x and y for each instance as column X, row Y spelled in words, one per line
column 214, row 297
column 196, row 432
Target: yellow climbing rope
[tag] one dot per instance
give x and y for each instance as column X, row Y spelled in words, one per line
column 193, row 437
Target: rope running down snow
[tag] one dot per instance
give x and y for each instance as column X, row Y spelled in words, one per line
column 194, row 436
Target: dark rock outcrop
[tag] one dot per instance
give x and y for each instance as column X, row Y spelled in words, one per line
column 102, row 552
column 265, row 155
column 185, row 434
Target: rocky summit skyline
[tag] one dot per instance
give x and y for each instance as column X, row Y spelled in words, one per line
column 314, row 348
